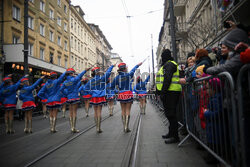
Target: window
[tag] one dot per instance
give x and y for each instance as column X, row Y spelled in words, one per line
column 79, row 46
column 72, row 61
column 51, row 36
column 75, row 44
column 78, row 30
column 65, row 9
column 15, row 39
column 16, row 13
column 51, row 14
column 71, row 42
column 51, row 55
column 76, row 62
column 65, row 45
column 72, row 24
column 81, row 49
column 30, row 48
column 66, row 63
column 75, row 26
column 42, row 53
column 42, row 6
column 42, row 30
column 59, row 3
column 31, row 22
column 59, row 40
column 59, row 21
column 79, row 66
column 65, row 27
column 59, row 60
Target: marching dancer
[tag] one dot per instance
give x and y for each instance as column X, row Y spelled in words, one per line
column 8, row 93
column 71, row 85
column 141, row 91
column 97, row 88
column 28, row 101
column 125, row 95
column 86, row 95
column 110, row 97
column 44, row 108
column 52, row 90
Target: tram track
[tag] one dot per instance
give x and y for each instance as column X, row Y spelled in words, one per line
column 32, row 162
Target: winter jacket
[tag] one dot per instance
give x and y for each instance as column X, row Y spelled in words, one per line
column 72, row 85
column 97, row 84
column 8, row 93
column 169, row 69
column 26, row 92
column 123, row 80
column 213, row 115
column 140, row 88
column 50, row 89
column 232, row 65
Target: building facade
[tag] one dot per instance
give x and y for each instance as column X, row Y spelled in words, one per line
column 48, row 36
column 82, row 41
column 199, row 24
column 103, row 47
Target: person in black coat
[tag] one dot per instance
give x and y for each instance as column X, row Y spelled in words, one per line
column 170, row 98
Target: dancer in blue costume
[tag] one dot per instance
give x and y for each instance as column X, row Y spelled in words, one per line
column 8, row 93
column 125, row 95
column 97, row 88
column 86, row 95
column 71, row 86
column 29, row 105
column 51, row 90
column 141, row 91
column 110, row 96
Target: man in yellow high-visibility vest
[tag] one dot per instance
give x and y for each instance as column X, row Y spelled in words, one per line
column 169, row 88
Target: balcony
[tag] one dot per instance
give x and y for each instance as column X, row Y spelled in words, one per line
column 179, row 7
column 181, row 30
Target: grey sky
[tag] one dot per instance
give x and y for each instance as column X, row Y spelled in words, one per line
column 128, row 37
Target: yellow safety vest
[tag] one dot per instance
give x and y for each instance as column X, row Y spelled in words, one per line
column 174, row 86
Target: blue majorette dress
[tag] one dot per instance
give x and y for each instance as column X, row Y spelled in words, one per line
column 52, row 90
column 86, row 95
column 140, row 88
column 27, row 97
column 1, row 97
column 123, row 81
column 44, row 101
column 8, row 93
column 71, row 85
column 97, row 88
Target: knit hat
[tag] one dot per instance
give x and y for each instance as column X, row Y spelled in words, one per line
column 166, row 56
column 199, row 70
column 234, row 37
column 190, row 54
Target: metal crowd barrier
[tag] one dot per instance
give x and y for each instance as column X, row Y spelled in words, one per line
column 211, row 117
column 243, row 94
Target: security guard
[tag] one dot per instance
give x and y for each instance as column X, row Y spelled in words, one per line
column 169, row 89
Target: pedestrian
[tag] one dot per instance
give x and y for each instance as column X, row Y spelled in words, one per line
column 125, row 95
column 170, row 90
column 44, row 108
column 97, row 88
column 28, row 105
column 233, row 63
column 8, row 93
column 110, row 96
column 51, row 90
column 71, row 86
column 141, row 91
column 86, row 95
